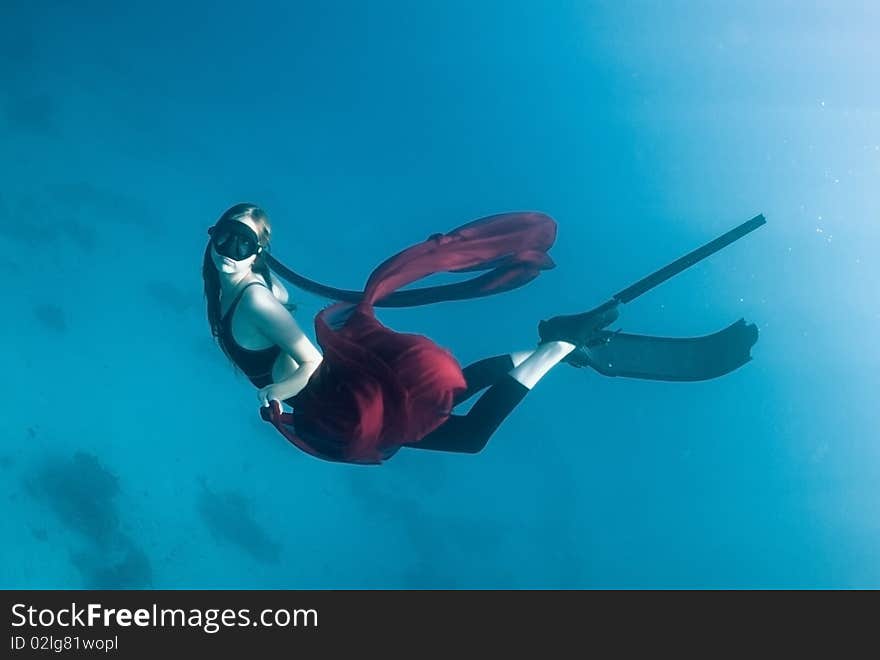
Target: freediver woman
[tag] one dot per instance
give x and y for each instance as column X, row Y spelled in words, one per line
column 370, row 390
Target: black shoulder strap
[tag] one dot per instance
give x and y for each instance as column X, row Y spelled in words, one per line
column 239, row 295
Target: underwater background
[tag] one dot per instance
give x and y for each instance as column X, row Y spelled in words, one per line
column 133, row 455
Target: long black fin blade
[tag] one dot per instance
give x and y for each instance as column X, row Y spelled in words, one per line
column 672, row 358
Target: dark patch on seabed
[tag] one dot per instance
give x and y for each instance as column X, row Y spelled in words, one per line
column 18, row 44
column 435, row 540
column 20, row 223
column 51, row 317
column 82, row 235
column 76, row 213
column 122, row 566
column 32, row 112
column 229, row 517
column 101, row 205
column 82, row 493
column 172, row 298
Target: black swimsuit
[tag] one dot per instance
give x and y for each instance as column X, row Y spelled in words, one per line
column 256, row 365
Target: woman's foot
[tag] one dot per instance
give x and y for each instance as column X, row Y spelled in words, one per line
column 577, row 329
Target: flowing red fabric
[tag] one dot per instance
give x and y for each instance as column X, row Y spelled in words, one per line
column 377, row 389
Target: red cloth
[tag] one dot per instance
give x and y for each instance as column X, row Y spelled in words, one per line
column 377, row 389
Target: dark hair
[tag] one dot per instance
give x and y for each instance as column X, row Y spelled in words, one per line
column 209, row 270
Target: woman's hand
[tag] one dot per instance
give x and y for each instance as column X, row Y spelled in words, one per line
column 270, row 393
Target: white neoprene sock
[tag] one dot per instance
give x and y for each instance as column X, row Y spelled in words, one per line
column 534, row 367
column 519, row 357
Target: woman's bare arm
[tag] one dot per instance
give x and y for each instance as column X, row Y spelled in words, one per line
column 276, row 324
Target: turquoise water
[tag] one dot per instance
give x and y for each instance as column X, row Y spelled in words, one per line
column 132, row 454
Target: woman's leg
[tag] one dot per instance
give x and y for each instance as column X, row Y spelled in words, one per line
column 481, row 374
column 469, row 433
